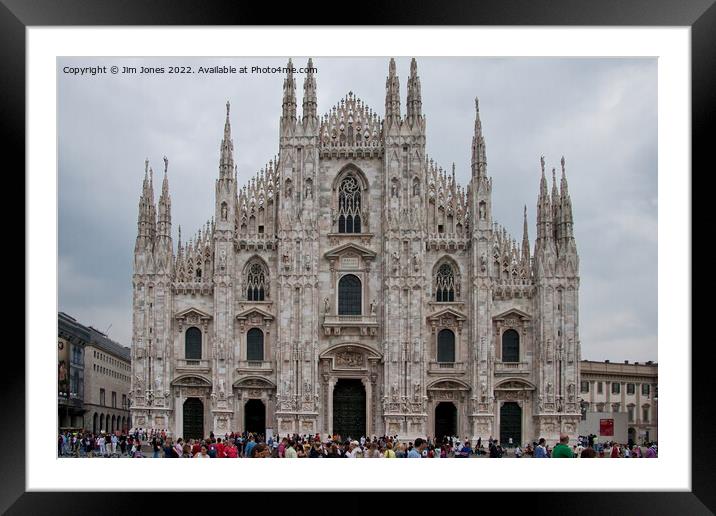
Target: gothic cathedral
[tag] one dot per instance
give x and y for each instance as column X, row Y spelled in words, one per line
column 353, row 287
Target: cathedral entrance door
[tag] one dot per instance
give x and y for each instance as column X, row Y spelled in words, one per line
column 511, row 424
column 255, row 417
column 193, row 419
column 349, row 402
column 445, row 420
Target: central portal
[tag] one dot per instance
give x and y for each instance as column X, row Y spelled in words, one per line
column 349, row 408
column 445, row 421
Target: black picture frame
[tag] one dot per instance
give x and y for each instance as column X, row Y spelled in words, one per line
column 699, row 15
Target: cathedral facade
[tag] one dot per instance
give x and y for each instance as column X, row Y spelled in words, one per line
column 352, row 286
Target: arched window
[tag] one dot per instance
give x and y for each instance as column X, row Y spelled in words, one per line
column 446, row 346
column 510, row 346
column 349, row 295
column 255, row 344
column 349, row 205
column 192, row 344
column 256, row 282
column 445, row 284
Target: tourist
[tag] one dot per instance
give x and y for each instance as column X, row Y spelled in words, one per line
column 518, row 452
column 250, row 446
column 416, row 452
column 540, row 450
column 389, row 452
column 290, row 452
column 156, row 447
column 588, row 453
column 616, row 451
column 203, row 453
column 374, row 451
column 562, row 450
column 651, row 451
column 230, row 451
column 607, row 450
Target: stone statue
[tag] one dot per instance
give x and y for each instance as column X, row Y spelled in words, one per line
column 222, row 389
column 326, row 305
column 224, row 212
column 416, row 262
column 549, row 387
column 372, row 307
column 394, row 188
column 482, row 211
column 396, row 261
column 222, row 260
column 483, row 263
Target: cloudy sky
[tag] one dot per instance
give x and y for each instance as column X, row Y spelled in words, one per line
column 601, row 114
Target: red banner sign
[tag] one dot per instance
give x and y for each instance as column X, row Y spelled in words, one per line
column 606, row 427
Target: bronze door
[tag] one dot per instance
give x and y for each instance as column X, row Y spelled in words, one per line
column 349, row 409
column 510, row 424
column 193, row 419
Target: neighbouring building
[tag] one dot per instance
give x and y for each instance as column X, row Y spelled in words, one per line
column 107, row 384
column 72, row 338
column 353, row 286
column 622, row 388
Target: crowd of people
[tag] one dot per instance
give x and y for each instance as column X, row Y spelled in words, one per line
column 141, row 443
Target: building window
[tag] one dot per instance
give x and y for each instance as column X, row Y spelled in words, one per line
column 446, row 346
column 615, row 407
column 600, row 387
column 445, row 284
column 349, row 295
column 349, row 205
column 510, row 346
column 192, row 344
column 257, row 288
column 630, row 410
column 255, row 344
column 584, row 387
column 101, row 397
column 645, row 414
column 124, row 401
column 616, row 388
column 114, row 399
column 631, row 388
column 644, row 389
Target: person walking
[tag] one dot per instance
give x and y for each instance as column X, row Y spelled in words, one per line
column 562, row 450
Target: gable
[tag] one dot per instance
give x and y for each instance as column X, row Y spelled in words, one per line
column 350, row 248
column 512, row 313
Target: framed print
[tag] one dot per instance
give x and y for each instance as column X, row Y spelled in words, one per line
column 467, row 240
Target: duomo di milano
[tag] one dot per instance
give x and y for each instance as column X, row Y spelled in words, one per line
column 353, row 286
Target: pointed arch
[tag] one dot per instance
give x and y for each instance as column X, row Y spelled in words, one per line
column 446, row 280
column 350, row 188
column 256, row 279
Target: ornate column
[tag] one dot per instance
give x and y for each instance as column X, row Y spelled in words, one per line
column 329, row 408
column 368, row 405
